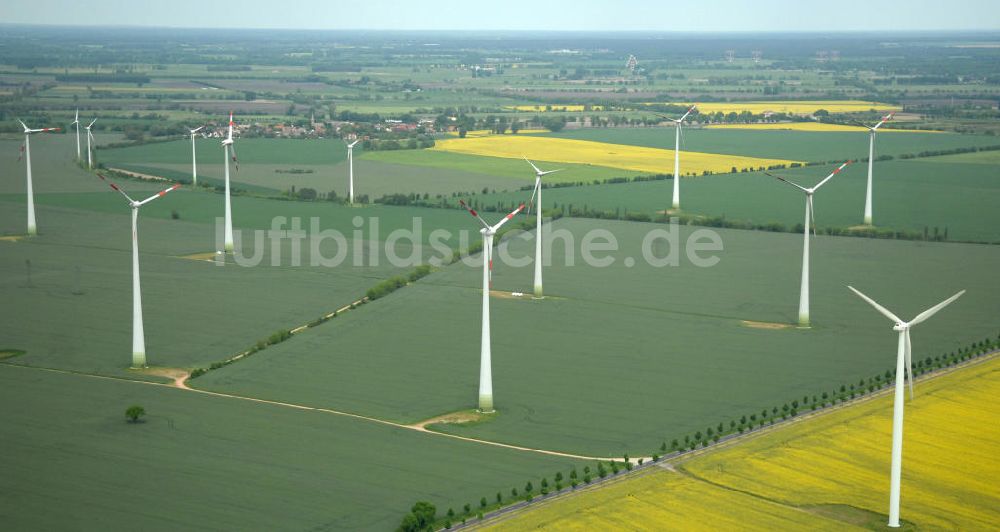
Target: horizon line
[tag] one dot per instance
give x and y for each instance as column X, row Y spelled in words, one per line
column 516, row 30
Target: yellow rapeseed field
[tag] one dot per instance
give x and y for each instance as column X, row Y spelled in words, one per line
column 637, row 158
column 555, row 107
column 666, row 501
column 794, row 107
column 950, row 448
column 829, row 471
column 811, row 126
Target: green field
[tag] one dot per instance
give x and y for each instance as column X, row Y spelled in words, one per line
column 52, row 165
column 512, row 170
column 907, row 195
column 70, row 460
column 265, row 165
column 289, row 152
column 623, row 358
column 792, row 145
column 84, row 246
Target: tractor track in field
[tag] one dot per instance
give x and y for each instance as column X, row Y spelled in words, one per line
column 181, row 384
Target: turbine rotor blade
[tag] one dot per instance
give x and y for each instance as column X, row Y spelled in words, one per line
column 474, row 213
column 159, row 194
column 537, row 170
column 909, row 359
column 25, row 126
column 552, row 171
column 489, row 261
column 114, row 186
column 681, row 119
column 829, row 177
column 508, row 217
column 884, row 311
column 885, row 119
column 91, row 123
column 933, row 310
column 232, row 151
column 812, row 212
column 531, row 202
column 779, row 178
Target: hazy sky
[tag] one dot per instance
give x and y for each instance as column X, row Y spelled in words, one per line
column 602, row 15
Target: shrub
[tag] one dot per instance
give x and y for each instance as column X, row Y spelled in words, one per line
column 134, row 412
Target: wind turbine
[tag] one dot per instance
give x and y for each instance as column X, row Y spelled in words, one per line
column 76, row 122
column 32, row 229
column 538, row 224
column 227, row 148
column 90, row 136
column 138, row 337
column 678, row 122
column 485, row 365
column 804, row 291
column 194, row 158
column 871, row 159
column 903, row 361
column 350, row 170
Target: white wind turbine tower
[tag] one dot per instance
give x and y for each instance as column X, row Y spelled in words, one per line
column 194, row 158
column 350, row 170
column 138, row 337
column 90, row 136
column 485, row 364
column 227, row 148
column 32, row 228
column 678, row 123
column 537, row 192
column 871, row 160
column 810, row 219
column 903, row 362
column 76, row 122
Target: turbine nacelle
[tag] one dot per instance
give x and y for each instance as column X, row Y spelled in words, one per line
column 901, row 327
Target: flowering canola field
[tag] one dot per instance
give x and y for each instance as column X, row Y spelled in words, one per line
column 831, row 471
column 794, row 107
column 950, row 444
column 811, row 126
column 638, row 158
column 573, row 108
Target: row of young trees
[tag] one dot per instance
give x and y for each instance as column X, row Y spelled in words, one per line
column 845, row 392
